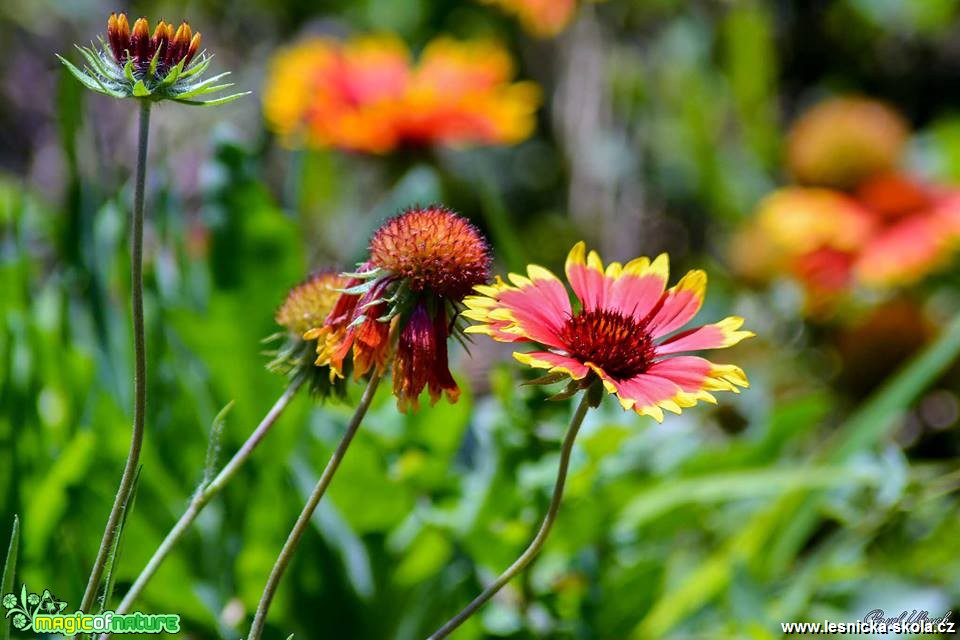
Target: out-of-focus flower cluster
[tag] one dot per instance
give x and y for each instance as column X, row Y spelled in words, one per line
column 366, row 94
column 854, row 217
column 540, row 17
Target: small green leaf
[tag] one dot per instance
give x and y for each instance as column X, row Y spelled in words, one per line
column 9, row 568
column 153, row 64
column 550, row 378
column 140, row 90
column 128, row 70
column 200, row 91
column 215, row 101
column 213, row 446
column 199, row 67
column 173, row 75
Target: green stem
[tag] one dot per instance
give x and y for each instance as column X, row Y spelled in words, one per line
column 303, row 521
column 538, row 541
column 206, row 494
column 140, row 371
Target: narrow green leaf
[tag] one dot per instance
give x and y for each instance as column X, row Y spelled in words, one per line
column 173, row 75
column 9, row 568
column 84, row 79
column 201, row 91
column 153, row 64
column 140, row 89
column 92, row 59
column 199, row 67
column 191, row 87
column 213, row 445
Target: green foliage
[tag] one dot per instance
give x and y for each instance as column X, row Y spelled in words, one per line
column 793, row 501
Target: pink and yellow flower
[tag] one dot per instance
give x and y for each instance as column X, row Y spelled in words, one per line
column 367, row 95
column 625, row 331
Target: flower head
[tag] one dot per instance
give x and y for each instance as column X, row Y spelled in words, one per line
column 421, row 265
column 307, row 305
column 840, row 142
column 9, row 601
column 33, row 599
column 366, row 95
column 137, row 63
column 543, row 18
column 623, row 333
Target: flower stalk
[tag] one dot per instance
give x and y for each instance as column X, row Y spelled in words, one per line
column 140, row 367
column 207, row 493
column 540, row 539
column 303, row 521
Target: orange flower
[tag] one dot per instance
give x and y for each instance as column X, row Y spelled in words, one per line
column 540, row 17
column 860, row 222
column 366, row 95
column 422, row 263
column 840, row 142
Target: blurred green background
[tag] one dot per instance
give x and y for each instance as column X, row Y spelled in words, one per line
column 806, row 497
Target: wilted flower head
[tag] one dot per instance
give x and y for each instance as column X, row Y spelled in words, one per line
column 421, row 265
column 622, row 334
column 365, row 95
column 307, row 305
column 138, row 63
column 842, row 141
column 539, row 17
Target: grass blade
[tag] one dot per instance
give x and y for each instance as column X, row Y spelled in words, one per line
column 9, row 568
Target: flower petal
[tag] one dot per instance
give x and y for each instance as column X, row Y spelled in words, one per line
column 535, row 309
column 710, row 336
column 698, row 376
column 645, row 394
column 679, row 304
column 587, row 278
column 639, row 286
column 554, row 362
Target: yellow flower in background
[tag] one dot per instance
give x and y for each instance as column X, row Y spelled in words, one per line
column 840, row 142
column 367, row 95
column 540, row 17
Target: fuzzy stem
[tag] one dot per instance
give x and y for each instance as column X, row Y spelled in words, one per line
column 538, row 541
column 206, row 494
column 140, row 370
column 303, row 521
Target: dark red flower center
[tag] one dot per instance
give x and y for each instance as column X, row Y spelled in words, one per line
column 618, row 344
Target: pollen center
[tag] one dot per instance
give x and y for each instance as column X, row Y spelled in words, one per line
column 619, row 345
column 432, row 249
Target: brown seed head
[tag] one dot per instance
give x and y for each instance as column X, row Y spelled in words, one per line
column 434, row 250
column 309, row 303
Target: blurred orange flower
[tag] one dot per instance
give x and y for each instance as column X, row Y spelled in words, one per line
column 367, row 95
column 540, row 17
column 841, row 141
column 861, row 221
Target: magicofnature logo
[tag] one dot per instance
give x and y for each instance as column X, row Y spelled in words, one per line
column 43, row 613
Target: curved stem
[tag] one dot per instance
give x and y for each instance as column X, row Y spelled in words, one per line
column 206, row 494
column 140, row 369
column 303, row 521
column 538, row 541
